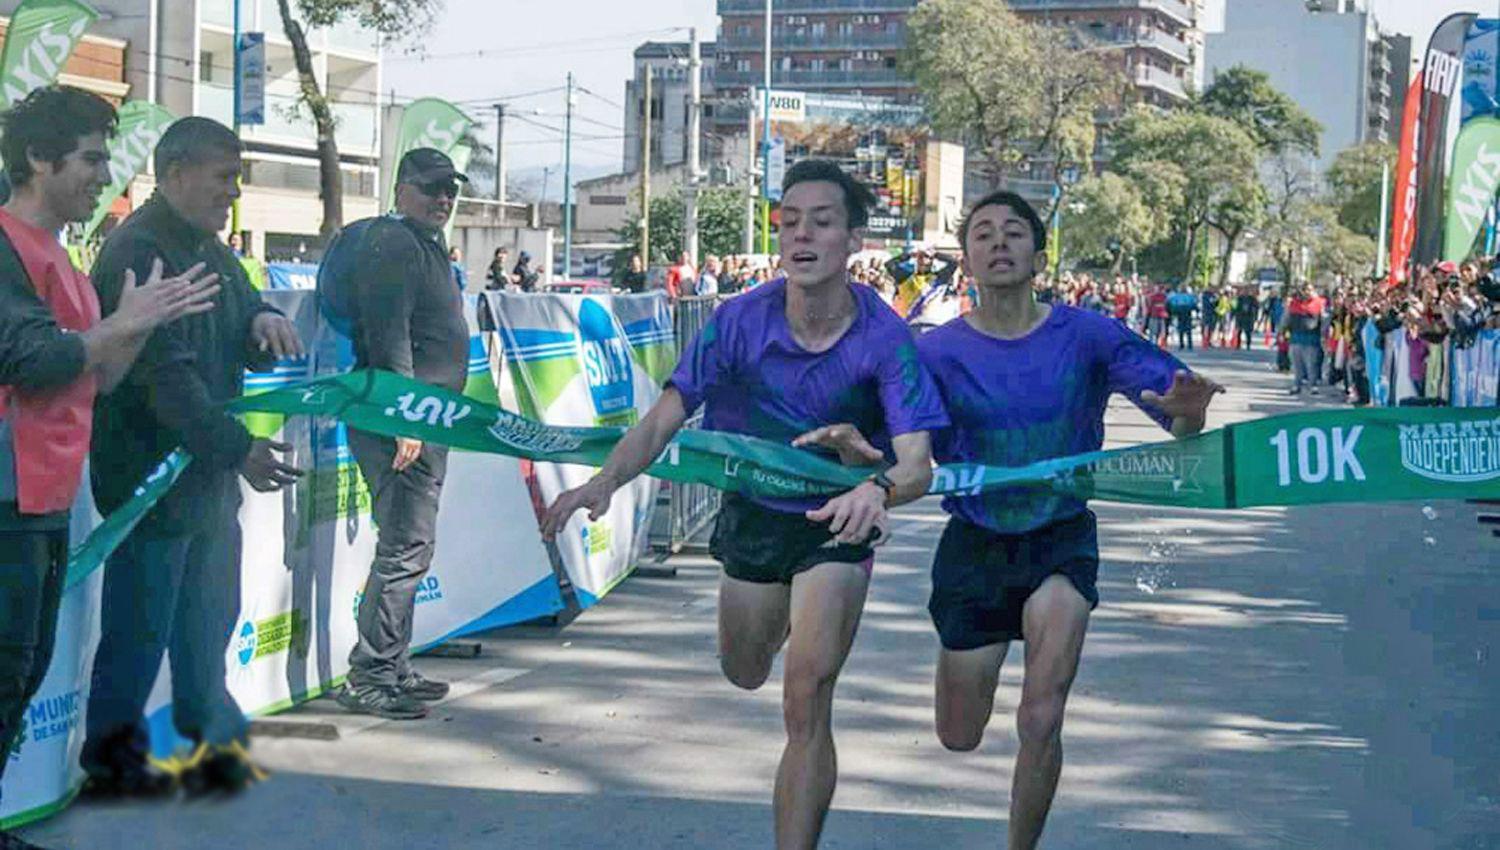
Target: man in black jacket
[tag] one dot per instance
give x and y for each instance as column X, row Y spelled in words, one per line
column 407, row 317
column 175, row 582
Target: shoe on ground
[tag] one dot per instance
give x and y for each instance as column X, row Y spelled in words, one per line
column 1313, row 390
column 422, row 688
column 1294, row 391
column 122, row 768
column 220, row 769
column 11, row 841
column 387, row 702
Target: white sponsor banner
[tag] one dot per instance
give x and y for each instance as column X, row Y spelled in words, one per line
column 589, row 360
column 307, row 553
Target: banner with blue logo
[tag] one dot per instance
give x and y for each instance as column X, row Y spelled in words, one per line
column 307, row 555
column 1375, row 365
column 595, row 361
column 292, row 275
column 1476, row 372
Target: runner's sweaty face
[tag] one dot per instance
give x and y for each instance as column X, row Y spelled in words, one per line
column 1000, row 250
column 72, row 185
column 816, row 240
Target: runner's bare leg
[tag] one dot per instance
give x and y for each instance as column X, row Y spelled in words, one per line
column 827, row 601
column 966, row 683
column 753, row 623
column 1054, row 622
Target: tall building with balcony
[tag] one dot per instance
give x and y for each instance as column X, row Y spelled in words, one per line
column 179, row 53
column 671, row 98
column 840, row 47
column 1159, row 43
column 1330, row 56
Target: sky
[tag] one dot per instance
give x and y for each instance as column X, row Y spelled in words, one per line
column 484, row 51
column 529, row 47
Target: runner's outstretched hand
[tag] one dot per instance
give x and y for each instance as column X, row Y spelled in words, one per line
column 594, row 495
column 1186, row 401
column 853, row 448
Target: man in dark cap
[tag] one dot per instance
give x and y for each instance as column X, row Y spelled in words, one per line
column 175, row 582
column 415, row 326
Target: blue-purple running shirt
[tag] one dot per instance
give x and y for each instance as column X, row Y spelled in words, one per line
column 1015, row 402
column 752, row 377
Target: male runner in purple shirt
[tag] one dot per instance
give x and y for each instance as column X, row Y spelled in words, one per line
column 784, row 360
column 1024, row 382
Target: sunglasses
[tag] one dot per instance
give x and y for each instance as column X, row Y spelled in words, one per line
column 446, row 188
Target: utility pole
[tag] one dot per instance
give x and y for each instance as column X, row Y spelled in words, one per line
column 500, row 152
column 646, row 171
column 568, row 185
column 695, row 109
column 750, row 173
column 1385, row 203
column 765, row 146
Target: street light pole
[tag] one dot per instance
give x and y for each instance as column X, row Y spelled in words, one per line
column 234, row 209
column 568, row 185
column 765, row 145
column 695, row 109
column 646, row 171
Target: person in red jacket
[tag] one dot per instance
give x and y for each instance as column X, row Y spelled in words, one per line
column 681, row 277
column 55, row 355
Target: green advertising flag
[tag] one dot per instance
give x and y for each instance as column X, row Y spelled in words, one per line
column 428, row 123
column 1471, row 188
column 141, row 127
column 38, row 42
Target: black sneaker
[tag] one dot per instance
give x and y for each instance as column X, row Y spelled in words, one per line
column 120, row 767
column 420, row 687
column 386, row 702
column 220, row 769
column 11, row 841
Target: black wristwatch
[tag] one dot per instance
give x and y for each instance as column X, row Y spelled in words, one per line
column 883, row 481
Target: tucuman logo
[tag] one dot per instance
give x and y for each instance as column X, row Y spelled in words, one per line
column 1457, row 452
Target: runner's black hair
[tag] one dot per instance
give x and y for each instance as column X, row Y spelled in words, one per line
column 1018, row 204
column 192, row 140
column 857, row 197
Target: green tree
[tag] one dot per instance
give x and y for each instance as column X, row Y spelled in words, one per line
column 721, row 226
column 1295, row 213
column 1205, row 166
column 392, row 19
column 1233, row 215
column 1354, row 185
column 1337, row 250
column 1108, row 218
column 1013, row 91
column 1275, row 121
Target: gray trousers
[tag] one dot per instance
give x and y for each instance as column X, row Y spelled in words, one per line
column 179, row 595
column 404, row 506
column 1304, row 365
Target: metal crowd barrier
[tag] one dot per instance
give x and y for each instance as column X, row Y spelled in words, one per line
column 684, row 511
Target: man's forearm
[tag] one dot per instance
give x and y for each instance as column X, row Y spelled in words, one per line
column 644, row 443
column 912, row 482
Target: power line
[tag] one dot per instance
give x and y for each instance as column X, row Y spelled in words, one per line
column 599, row 96
column 535, row 48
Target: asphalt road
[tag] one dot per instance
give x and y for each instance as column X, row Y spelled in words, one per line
column 1316, row 677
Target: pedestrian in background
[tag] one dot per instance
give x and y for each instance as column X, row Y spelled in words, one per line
column 460, row 277
column 173, row 586
column 499, row 271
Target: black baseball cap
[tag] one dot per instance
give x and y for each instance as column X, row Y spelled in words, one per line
column 427, row 165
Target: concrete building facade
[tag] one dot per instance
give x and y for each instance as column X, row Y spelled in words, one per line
column 1330, row 56
column 1159, row 42
column 178, row 53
